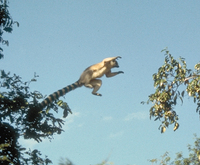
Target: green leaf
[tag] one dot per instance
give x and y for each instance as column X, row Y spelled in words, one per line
column 47, row 110
column 182, row 93
column 33, row 79
column 8, row 29
column 195, row 99
column 181, row 100
column 176, row 126
column 197, row 66
column 163, row 129
column 175, row 98
column 142, row 102
column 65, row 113
column 59, row 103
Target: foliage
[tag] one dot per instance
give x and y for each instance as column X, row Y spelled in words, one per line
column 192, row 159
column 22, row 117
column 171, row 78
column 68, row 162
column 6, row 23
column 163, row 161
column 65, row 162
column 106, row 163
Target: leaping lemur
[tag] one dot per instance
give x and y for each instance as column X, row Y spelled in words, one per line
column 88, row 78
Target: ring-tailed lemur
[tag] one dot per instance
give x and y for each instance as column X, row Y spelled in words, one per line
column 88, row 78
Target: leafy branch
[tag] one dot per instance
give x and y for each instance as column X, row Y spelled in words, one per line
column 193, row 157
column 21, row 116
column 169, row 81
column 6, row 23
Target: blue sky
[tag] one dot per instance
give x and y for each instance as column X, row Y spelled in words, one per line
column 59, row 39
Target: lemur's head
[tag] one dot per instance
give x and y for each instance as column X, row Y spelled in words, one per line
column 111, row 62
column 114, row 64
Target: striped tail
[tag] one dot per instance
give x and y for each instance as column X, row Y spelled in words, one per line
column 59, row 93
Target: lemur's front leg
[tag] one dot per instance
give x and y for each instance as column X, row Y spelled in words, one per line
column 111, row 74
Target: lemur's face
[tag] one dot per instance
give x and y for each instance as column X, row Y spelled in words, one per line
column 114, row 64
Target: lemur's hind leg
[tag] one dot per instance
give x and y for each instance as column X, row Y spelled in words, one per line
column 95, row 84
